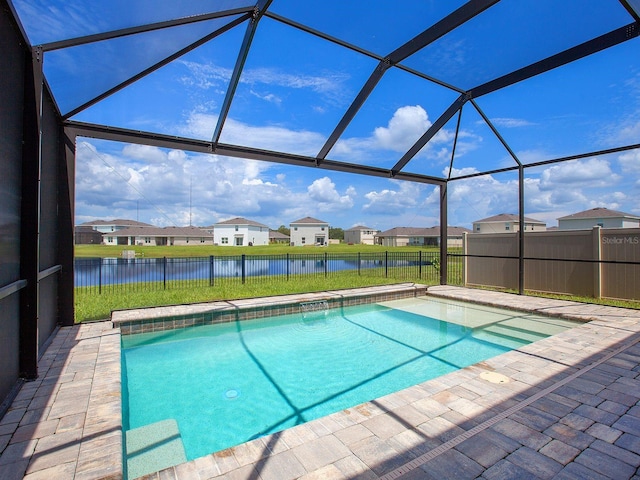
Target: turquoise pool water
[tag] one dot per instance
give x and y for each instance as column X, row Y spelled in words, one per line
column 226, row 384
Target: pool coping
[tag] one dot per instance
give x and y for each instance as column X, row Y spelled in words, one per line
column 433, row 425
column 155, row 319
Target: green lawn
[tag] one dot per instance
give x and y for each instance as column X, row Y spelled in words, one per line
column 207, row 250
column 90, row 305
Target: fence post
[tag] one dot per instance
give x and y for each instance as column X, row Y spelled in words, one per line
column 326, row 263
column 211, row 272
column 164, row 273
column 244, row 257
column 358, row 263
column 100, row 276
column 420, row 264
column 386, row 263
column 465, row 265
column 597, row 253
column 287, row 266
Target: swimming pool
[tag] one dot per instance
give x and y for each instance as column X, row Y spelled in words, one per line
column 228, row 383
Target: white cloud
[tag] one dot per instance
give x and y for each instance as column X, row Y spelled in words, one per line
column 323, row 192
column 405, row 127
column 592, row 172
column 394, row 201
column 268, row 97
column 148, row 154
column 630, row 161
column 275, row 138
column 330, row 85
column 206, row 75
column 511, row 122
column 302, row 142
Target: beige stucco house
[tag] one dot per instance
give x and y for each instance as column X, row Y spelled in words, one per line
column 360, row 235
column 507, row 222
column 108, row 226
column 309, row 231
column 602, row 217
column 420, row 237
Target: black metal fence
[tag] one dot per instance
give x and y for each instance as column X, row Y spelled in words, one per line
column 95, row 275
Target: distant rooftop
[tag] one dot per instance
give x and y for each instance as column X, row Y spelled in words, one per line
column 508, row 217
column 599, row 212
column 152, row 231
column 241, row 221
column 117, row 221
column 309, row 220
column 422, row 231
column 359, row 227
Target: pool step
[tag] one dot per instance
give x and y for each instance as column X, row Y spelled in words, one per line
column 509, row 333
column 153, row 447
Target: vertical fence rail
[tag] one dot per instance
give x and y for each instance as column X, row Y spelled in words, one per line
column 164, row 273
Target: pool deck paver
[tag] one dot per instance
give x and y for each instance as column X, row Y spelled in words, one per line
column 568, row 408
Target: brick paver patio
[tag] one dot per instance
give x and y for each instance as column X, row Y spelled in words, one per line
column 565, row 407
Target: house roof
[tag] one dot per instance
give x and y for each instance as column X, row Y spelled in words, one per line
column 159, row 232
column 278, row 235
column 241, row 221
column 117, row 221
column 508, row 217
column 359, row 227
column 599, row 212
column 309, row 220
column 422, row 232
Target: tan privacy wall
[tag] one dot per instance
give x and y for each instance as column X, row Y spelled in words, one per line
column 561, row 261
column 620, row 245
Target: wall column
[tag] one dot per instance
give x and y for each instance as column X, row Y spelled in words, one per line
column 30, row 214
column 66, row 199
column 443, row 234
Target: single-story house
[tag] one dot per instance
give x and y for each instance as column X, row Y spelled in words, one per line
column 86, row 235
column 420, row 237
column 507, row 222
column 158, row 236
column 240, row 231
column 309, row 231
column 360, row 235
column 602, row 217
column 107, row 226
column 278, row 237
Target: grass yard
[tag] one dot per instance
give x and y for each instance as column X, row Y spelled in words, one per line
column 207, row 250
column 90, row 306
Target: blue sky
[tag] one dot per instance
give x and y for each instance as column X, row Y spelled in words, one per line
column 296, row 87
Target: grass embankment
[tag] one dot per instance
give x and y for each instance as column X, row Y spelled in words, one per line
column 613, row 302
column 91, row 306
column 113, row 251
